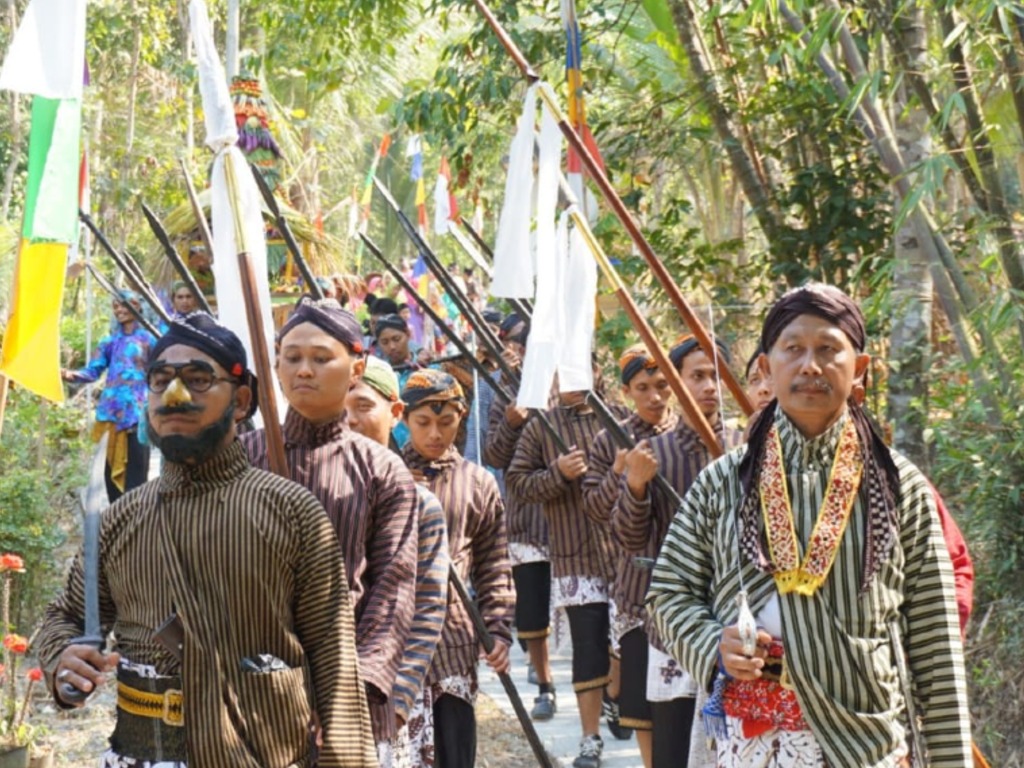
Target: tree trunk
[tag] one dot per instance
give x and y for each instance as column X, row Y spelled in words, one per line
column 911, row 312
column 12, row 166
column 133, row 95
column 742, row 164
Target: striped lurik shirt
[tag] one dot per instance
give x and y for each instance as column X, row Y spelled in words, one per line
column 837, row 643
column 640, row 526
column 252, row 566
column 601, row 490
column 370, row 499
column 526, row 523
column 578, row 546
column 431, row 603
column 478, row 548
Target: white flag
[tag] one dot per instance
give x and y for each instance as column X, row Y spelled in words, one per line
column 575, row 363
column 47, row 55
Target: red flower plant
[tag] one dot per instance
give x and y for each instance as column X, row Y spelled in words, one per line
column 16, row 643
column 10, row 562
column 34, row 675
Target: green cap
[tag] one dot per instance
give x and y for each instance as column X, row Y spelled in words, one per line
column 381, row 376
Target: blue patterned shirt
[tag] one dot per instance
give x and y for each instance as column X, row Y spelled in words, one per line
column 123, row 356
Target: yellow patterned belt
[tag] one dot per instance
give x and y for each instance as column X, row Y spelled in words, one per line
column 168, row 706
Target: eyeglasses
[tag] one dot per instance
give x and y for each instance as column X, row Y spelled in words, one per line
column 197, row 376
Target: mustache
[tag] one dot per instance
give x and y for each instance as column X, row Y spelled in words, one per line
column 171, row 410
column 822, row 385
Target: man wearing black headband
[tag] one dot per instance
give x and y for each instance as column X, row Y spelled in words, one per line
column 647, row 388
column 223, row 588
column 806, row 577
column 369, row 495
column 582, row 557
column 640, row 520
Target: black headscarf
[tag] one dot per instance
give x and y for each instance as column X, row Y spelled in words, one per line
column 880, row 480
column 200, row 331
column 687, row 344
column 328, row 316
column 394, row 322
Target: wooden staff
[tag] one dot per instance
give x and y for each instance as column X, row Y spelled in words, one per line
column 257, row 337
column 197, row 209
column 693, row 412
column 612, row 198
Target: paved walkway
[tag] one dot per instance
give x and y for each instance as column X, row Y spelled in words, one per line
column 561, row 735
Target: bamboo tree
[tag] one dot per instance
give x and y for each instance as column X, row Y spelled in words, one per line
column 911, row 298
column 742, row 163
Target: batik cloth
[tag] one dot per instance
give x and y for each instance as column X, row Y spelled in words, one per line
column 666, row 678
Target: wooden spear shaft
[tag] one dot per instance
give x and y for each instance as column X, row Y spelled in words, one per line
column 197, row 209
column 693, row 412
column 257, row 337
column 612, row 198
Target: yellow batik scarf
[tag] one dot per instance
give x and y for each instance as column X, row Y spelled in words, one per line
column 790, row 574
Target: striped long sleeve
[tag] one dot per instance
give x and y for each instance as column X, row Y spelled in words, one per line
column 431, row 603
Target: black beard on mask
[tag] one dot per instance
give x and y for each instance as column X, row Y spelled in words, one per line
column 182, row 449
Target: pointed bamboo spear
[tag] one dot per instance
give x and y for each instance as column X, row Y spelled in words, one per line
column 136, row 279
column 312, row 286
column 615, row 202
column 258, row 341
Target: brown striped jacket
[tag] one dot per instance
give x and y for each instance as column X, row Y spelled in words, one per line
column 371, row 501
column 578, row 546
column 252, row 566
column 478, row 549
column 526, row 523
column 640, row 526
column 601, row 490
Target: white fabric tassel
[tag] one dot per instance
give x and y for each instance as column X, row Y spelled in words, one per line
column 575, row 368
column 548, row 325
column 513, row 263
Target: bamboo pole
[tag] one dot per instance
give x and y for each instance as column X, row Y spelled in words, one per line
column 257, row 337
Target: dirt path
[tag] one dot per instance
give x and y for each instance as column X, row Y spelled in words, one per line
column 79, row 737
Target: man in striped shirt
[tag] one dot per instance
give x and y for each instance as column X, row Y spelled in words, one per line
column 247, row 565
column 581, row 550
column 809, row 572
column 479, row 553
column 640, row 521
column 647, row 388
column 368, row 493
column 527, row 528
column 373, row 407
